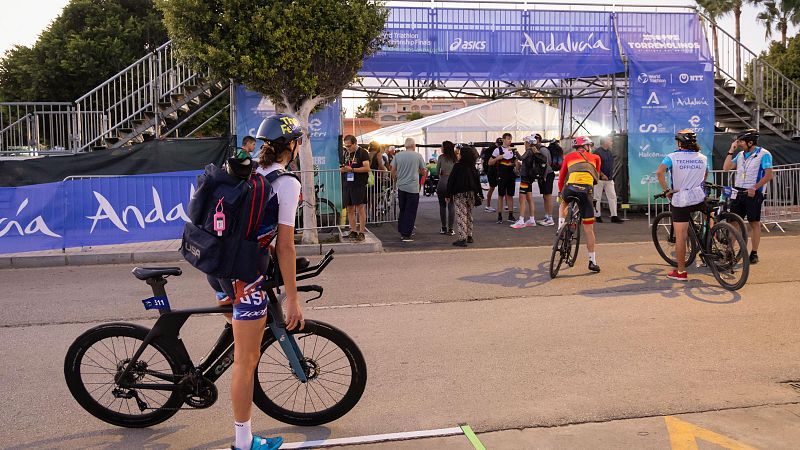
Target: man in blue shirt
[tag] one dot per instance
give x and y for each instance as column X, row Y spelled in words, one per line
column 753, row 167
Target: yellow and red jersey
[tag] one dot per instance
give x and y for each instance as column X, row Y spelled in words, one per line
column 577, row 169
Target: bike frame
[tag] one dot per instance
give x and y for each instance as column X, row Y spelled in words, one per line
column 220, row 357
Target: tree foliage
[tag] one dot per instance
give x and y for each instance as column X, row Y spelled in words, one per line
column 88, row 43
column 368, row 109
column 414, row 115
column 779, row 15
column 299, row 54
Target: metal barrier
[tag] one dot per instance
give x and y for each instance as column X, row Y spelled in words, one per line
column 381, row 200
column 781, row 195
column 31, row 129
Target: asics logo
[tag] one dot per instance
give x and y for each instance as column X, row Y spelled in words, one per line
column 460, row 44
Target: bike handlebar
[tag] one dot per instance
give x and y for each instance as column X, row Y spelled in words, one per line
column 304, row 274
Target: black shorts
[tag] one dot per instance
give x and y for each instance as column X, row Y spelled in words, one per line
column 525, row 186
column 353, row 195
column 585, row 195
column 491, row 175
column 748, row 208
column 684, row 213
column 507, row 183
column 546, row 185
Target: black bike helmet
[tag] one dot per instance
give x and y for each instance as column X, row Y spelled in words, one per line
column 686, row 137
column 240, row 167
column 750, row 135
column 280, row 128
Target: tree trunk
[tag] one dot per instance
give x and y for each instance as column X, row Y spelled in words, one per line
column 737, row 12
column 310, row 235
column 715, row 38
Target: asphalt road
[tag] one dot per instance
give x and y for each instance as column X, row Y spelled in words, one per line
column 478, row 336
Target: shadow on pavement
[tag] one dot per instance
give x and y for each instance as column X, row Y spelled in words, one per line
column 112, row 438
column 522, row 277
column 652, row 278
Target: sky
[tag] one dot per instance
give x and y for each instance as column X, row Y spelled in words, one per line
column 22, row 21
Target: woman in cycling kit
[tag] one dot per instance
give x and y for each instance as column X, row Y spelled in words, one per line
column 577, row 177
column 689, row 169
column 282, row 137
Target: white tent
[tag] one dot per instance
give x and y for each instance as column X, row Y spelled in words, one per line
column 480, row 123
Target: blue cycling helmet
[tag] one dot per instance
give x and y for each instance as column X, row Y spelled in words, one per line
column 280, row 128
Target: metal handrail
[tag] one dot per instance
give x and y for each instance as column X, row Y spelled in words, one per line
column 25, row 117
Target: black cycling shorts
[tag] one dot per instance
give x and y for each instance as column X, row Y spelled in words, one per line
column 748, row 208
column 585, row 196
column 525, row 186
column 491, row 175
column 546, row 185
column 684, row 213
column 507, row 183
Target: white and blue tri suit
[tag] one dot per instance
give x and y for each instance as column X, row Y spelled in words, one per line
column 750, row 169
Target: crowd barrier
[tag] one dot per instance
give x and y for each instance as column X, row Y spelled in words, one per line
column 381, row 200
column 781, row 195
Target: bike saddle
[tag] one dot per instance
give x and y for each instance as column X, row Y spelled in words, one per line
column 144, row 273
column 302, row 263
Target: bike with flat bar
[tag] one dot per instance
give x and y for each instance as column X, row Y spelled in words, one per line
column 131, row 376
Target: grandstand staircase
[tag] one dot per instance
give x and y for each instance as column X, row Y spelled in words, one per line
column 734, row 112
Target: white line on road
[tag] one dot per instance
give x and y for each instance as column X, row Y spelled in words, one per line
column 376, row 438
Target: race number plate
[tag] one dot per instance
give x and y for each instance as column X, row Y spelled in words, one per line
column 156, row 303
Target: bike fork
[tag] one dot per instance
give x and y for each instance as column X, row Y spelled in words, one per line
column 287, row 342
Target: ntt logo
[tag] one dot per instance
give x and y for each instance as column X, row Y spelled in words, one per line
column 460, row 44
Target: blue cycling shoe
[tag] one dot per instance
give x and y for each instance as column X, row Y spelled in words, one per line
column 261, row 443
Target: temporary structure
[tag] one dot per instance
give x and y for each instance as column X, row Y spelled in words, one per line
column 481, row 123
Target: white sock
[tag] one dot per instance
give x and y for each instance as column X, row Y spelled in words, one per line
column 561, row 221
column 244, row 435
column 592, row 258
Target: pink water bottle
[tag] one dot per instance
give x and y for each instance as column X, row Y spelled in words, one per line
column 219, row 218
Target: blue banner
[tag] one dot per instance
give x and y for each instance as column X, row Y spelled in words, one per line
column 324, row 125
column 454, row 44
column 95, row 211
column 665, row 97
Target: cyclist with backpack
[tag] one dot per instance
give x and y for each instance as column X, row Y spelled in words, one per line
column 688, row 168
column 282, row 138
column 577, row 176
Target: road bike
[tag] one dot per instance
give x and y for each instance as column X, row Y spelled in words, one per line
column 568, row 238
column 719, row 245
column 131, row 376
column 718, row 210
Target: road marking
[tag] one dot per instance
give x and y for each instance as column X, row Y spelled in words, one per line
column 472, row 437
column 377, row 438
column 684, row 435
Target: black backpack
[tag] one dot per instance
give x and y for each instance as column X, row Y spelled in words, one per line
column 236, row 253
column 556, row 156
column 535, row 166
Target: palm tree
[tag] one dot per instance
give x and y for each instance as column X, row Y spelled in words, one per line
column 724, row 7
column 712, row 10
column 780, row 14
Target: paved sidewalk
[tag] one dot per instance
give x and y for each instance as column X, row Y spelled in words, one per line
column 150, row 252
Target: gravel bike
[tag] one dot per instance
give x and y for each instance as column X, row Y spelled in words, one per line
column 718, row 210
column 719, row 245
column 131, row 376
column 568, row 238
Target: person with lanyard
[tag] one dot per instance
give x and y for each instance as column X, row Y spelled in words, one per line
column 753, row 166
column 577, row 177
column 355, row 175
column 688, row 168
column 504, row 158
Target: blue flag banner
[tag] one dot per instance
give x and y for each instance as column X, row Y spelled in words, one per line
column 671, row 87
column 457, row 44
column 95, row 211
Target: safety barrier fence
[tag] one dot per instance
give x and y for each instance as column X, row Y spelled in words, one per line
column 781, row 195
column 381, row 200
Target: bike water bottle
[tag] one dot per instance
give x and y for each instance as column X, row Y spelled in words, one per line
column 219, row 218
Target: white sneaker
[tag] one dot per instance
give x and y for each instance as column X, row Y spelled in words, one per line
column 530, row 222
column 518, row 224
column 546, row 222
column 489, row 209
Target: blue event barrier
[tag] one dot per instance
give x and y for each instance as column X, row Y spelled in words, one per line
column 95, row 211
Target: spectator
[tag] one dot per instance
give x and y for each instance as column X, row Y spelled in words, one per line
column 463, row 187
column 546, row 184
column 503, row 157
column 248, row 146
column 406, row 168
column 355, row 173
column 606, row 182
column 376, row 156
column 526, row 184
column 431, row 167
column 491, row 172
column 444, row 165
column 390, row 152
